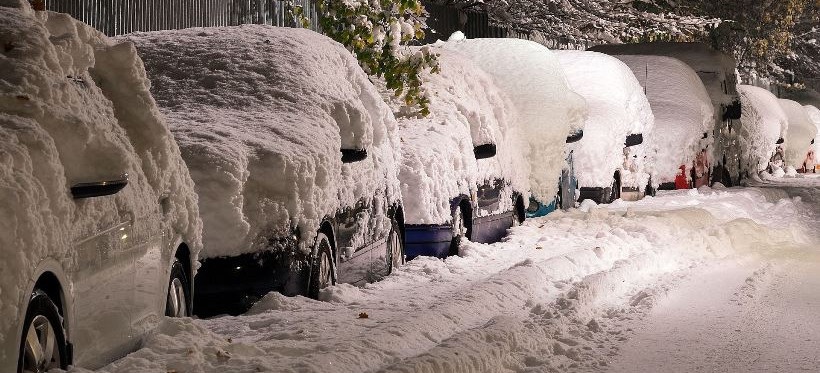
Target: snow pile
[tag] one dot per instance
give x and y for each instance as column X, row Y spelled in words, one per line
column 548, row 110
column 261, row 114
column 763, row 122
column 438, row 163
column 682, row 109
column 75, row 107
column 617, row 108
column 799, row 134
column 553, row 297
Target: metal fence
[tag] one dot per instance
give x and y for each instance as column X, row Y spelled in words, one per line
column 116, row 17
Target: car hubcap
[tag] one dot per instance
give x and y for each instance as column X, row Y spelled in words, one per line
column 324, row 271
column 395, row 250
column 41, row 352
column 459, row 230
column 178, row 307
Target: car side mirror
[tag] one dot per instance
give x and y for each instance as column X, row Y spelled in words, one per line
column 484, row 151
column 575, row 137
column 99, row 188
column 779, row 141
column 633, row 139
column 353, row 155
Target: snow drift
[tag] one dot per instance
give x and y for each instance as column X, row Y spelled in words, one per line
column 261, row 114
column 617, row 108
column 438, row 163
column 75, row 107
column 682, row 110
column 799, row 134
column 763, row 122
column 548, row 110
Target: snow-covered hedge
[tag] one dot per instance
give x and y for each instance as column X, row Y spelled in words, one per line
column 75, row 107
column 548, row 110
column 261, row 114
column 682, row 111
column 801, row 130
column 763, row 122
column 438, row 163
column 617, row 108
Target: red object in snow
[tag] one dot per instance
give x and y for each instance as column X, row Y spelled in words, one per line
column 680, row 179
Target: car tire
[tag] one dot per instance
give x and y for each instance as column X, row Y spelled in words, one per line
column 395, row 249
column 459, row 230
column 322, row 272
column 43, row 345
column 178, row 301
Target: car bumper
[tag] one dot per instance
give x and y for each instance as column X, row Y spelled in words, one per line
column 427, row 240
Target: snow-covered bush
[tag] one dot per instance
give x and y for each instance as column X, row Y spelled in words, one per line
column 617, row 108
column 75, row 107
column 682, row 109
column 377, row 33
column 438, row 163
column 799, row 134
column 548, row 111
column 261, row 114
column 763, row 122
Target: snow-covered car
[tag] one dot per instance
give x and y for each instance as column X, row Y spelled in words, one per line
column 717, row 72
column 463, row 173
column 800, row 134
column 763, row 125
column 811, row 164
column 99, row 227
column 683, row 115
column 294, row 155
column 609, row 160
column 549, row 114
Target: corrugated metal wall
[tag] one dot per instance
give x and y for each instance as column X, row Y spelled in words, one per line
column 116, row 17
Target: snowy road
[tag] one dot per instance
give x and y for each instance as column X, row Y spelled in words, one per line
column 708, row 280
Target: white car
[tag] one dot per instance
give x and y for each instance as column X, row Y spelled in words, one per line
column 463, row 171
column 549, row 114
column 683, row 118
column 294, row 155
column 99, row 227
column 800, row 133
column 763, row 127
column 609, row 159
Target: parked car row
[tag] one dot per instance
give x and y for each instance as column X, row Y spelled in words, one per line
column 193, row 171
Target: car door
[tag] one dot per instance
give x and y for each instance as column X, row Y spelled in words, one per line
column 353, row 258
column 103, row 286
column 151, row 271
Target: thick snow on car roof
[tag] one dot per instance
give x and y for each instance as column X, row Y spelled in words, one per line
column 801, row 130
column 76, row 108
column 261, row 114
column 548, row 110
column 763, row 122
column 617, row 108
column 438, row 163
column 682, row 111
column 712, row 66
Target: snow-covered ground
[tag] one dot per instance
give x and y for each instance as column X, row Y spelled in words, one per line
column 690, row 280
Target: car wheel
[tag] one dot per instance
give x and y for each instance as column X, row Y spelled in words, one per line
column 177, row 301
column 43, row 345
column 321, row 271
column 520, row 212
column 395, row 249
column 459, row 230
column 616, row 191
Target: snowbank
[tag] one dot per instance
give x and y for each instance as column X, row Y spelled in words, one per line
column 617, row 108
column 548, row 110
column 261, row 114
column 763, row 122
column 438, row 163
column 799, row 134
column 682, row 109
column 75, row 107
